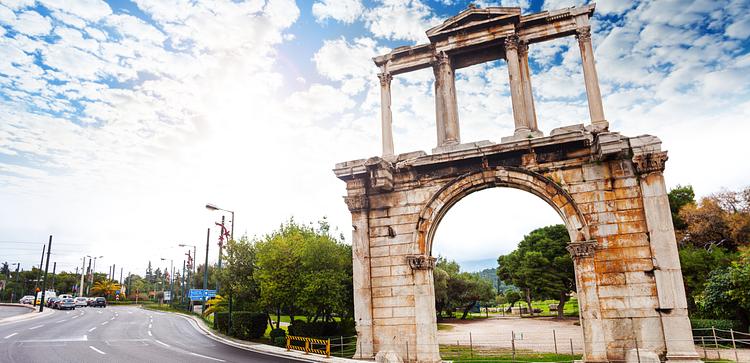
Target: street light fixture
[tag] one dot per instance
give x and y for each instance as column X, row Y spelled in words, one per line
column 213, row 207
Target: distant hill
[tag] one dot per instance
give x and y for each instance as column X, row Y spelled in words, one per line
column 490, row 274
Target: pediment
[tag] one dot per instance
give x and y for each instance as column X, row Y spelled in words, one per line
column 473, row 17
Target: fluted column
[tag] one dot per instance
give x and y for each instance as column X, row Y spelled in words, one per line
column 528, row 96
column 446, row 104
column 516, row 86
column 591, row 80
column 386, row 116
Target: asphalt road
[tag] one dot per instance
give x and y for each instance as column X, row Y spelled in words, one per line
column 8, row 311
column 115, row 334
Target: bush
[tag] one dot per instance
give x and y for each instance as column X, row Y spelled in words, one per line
column 248, row 325
column 715, row 323
column 221, row 319
column 302, row 328
column 277, row 332
column 279, row 341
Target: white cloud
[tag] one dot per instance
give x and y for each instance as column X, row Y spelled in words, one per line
column 32, row 23
column 90, row 10
column 346, row 11
column 401, row 20
column 740, row 29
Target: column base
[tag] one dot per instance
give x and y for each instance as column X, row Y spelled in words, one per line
column 522, row 135
column 686, row 357
column 598, row 126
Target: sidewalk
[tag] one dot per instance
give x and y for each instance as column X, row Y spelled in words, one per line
column 263, row 348
column 32, row 314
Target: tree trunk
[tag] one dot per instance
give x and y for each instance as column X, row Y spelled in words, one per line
column 528, row 302
column 561, row 305
column 270, row 322
column 743, row 315
column 278, row 318
column 466, row 310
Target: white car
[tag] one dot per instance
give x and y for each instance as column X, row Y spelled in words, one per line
column 28, row 299
column 81, row 301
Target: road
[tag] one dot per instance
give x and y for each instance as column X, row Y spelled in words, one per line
column 115, row 334
column 8, row 311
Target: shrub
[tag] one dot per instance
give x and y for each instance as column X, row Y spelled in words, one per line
column 279, row 341
column 715, row 323
column 221, row 320
column 248, row 325
column 277, row 332
column 302, row 328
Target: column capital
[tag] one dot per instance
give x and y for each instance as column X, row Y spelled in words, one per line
column 583, row 34
column 385, row 78
column 511, row 42
column 440, row 59
column 582, row 249
column 523, row 48
column 357, row 203
column 650, row 163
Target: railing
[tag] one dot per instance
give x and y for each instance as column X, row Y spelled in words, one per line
column 311, row 345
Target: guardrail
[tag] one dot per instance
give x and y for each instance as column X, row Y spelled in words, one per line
column 311, row 345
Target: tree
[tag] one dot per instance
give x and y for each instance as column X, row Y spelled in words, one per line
column 721, row 219
column 105, row 288
column 679, row 197
column 239, row 274
column 697, row 263
column 456, row 289
column 5, row 270
column 541, row 266
column 727, row 291
column 150, row 273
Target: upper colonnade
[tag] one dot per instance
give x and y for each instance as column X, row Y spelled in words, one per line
column 478, row 35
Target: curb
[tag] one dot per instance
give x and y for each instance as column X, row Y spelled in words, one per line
column 261, row 348
column 27, row 316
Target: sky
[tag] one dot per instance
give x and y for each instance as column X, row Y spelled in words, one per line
column 120, row 120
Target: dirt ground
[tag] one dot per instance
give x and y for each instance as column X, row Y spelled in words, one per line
column 538, row 334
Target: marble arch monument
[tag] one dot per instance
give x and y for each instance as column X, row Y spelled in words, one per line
column 608, row 188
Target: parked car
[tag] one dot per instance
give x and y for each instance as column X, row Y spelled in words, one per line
column 66, row 296
column 99, row 302
column 66, row 304
column 51, row 302
column 28, row 299
column 90, row 301
column 47, row 295
column 81, row 301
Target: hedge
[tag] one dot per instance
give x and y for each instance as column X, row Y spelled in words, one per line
column 245, row 324
column 715, row 323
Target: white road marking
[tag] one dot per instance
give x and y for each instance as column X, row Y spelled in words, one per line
column 207, row 357
column 99, row 312
column 130, row 312
column 113, row 318
column 67, row 312
column 162, row 343
column 75, row 316
column 97, row 350
column 10, row 335
column 60, row 321
column 149, row 326
column 92, row 329
column 85, row 337
column 149, row 333
column 105, row 323
column 36, row 327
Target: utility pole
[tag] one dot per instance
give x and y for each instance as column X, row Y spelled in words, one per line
column 120, row 276
column 36, row 283
column 221, row 247
column 205, row 271
column 44, row 283
column 13, row 292
column 54, row 277
column 80, row 287
column 91, row 278
column 182, row 283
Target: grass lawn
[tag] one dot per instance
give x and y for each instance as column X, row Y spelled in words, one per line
column 466, row 354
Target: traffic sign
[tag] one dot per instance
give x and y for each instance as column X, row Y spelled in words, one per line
column 167, row 295
column 199, row 294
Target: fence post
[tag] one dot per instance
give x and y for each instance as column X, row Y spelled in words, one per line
column 342, row 346
column 307, row 346
column 554, row 338
column 288, row 342
column 716, row 342
column 328, row 348
column 734, row 346
column 703, row 343
column 637, row 351
column 471, row 346
column 513, row 344
column 571, row 348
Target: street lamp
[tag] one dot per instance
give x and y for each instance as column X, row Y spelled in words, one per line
column 13, row 291
column 213, row 207
column 93, row 269
column 191, row 271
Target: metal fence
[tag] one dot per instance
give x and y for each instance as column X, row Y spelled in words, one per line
column 712, row 344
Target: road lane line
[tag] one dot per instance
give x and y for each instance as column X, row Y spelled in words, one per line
column 149, row 333
column 105, row 323
column 10, row 335
column 36, row 327
column 113, row 318
column 92, row 329
column 97, row 350
column 85, row 338
column 149, row 326
column 75, row 316
column 162, row 343
column 60, row 321
column 207, row 357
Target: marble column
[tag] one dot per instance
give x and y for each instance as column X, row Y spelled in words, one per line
column 591, row 80
column 446, row 104
column 386, row 116
column 528, row 96
column 516, row 87
column 678, row 334
column 359, row 206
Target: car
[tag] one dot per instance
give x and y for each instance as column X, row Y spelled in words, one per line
column 51, row 302
column 81, row 301
column 47, row 295
column 99, row 302
column 66, row 304
column 89, row 301
column 28, row 299
column 66, row 296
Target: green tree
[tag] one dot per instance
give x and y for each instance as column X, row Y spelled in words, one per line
column 541, row 266
column 727, row 291
column 238, row 275
column 456, row 289
column 697, row 263
column 679, row 197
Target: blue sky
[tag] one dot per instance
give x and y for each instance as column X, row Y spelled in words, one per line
column 120, row 120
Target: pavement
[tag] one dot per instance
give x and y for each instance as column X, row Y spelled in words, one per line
column 10, row 310
column 116, row 334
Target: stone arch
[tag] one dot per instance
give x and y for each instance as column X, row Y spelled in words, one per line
column 511, row 177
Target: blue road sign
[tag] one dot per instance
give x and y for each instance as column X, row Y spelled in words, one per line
column 199, row 294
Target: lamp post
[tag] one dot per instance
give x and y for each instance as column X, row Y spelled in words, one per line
column 93, row 271
column 212, row 207
column 13, row 291
column 191, row 268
